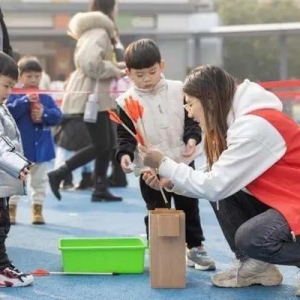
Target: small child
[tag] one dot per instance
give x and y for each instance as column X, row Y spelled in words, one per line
column 13, row 170
column 34, row 114
column 167, row 127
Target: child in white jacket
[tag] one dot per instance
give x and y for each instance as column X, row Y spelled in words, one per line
column 167, row 127
column 13, row 171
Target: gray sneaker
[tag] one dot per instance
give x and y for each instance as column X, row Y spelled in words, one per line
column 246, row 273
column 199, row 259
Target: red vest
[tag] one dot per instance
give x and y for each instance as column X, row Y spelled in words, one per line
column 279, row 186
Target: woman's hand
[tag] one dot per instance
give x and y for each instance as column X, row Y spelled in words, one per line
column 151, row 179
column 190, row 148
column 151, row 157
column 121, row 74
column 121, row 65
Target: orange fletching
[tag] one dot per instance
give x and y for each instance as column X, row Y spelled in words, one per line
column 134, row 109
column 40, row 272
column 137, row 106
column 114, row 117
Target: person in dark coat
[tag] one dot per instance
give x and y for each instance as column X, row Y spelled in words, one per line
column 4, row 38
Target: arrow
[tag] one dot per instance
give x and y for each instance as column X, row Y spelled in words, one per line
column 43, row 272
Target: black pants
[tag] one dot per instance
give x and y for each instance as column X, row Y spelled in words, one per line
column 117, row 175
column 154, row 199
column 4, row 230
column 102, row 137
column 253, row 229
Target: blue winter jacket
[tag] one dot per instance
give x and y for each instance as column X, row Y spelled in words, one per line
column 37, row 138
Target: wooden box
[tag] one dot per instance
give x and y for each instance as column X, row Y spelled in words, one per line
column 167, row 248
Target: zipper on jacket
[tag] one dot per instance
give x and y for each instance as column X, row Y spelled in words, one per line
column 159, row 108
column 293, row 236
column 24, row 158
column 8, row 142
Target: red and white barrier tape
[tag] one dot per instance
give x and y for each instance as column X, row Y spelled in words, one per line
column 19, row 91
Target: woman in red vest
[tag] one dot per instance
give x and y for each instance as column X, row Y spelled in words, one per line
column 252, row 175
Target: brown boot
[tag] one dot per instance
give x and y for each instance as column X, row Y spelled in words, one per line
column 12, row 213
column 37, row 215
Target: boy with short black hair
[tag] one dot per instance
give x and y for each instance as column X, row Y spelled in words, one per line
column 13, row 171
column 34, row 113
column 167, row 127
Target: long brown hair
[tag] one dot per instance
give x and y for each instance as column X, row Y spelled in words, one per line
column 215, row 89
column 105, row 6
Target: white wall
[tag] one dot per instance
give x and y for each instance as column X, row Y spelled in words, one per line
column 31, row 20
column 172, row 22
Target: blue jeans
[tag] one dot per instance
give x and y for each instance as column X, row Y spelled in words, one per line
column 252, row 229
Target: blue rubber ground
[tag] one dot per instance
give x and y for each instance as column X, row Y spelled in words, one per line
column 31, row 247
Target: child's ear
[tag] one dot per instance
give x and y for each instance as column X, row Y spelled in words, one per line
column 162, row 65
column 127, row 71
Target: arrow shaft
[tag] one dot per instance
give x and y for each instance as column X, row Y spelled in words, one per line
column 79, row 273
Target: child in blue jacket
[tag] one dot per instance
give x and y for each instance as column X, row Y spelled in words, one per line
column 34, row 114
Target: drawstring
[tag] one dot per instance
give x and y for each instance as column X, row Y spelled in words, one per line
column 293, row 236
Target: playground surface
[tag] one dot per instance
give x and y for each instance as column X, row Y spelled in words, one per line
column 32, row 247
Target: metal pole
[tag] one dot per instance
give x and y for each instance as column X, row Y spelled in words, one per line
column 283, row 57
column 197, row 50
column 191, row 59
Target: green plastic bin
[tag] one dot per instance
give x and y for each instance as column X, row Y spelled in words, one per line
column 103, row 255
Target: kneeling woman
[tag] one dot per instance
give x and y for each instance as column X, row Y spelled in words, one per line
column 253, row 170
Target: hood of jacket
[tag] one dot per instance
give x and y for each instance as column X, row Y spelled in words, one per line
column 250, row 96
column 82, row 22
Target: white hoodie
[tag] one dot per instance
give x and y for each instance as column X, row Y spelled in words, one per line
column 254, row 145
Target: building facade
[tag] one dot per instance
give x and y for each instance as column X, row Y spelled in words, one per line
column 38, row 27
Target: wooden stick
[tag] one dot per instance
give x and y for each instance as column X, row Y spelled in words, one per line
column 142, row 122
column 146, row 142
column 144, row 131
column 163, row 195
column 128, row 129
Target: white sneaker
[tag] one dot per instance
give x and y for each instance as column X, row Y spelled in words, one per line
column 199, row 259
column 12, row 277
column 247, row 273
